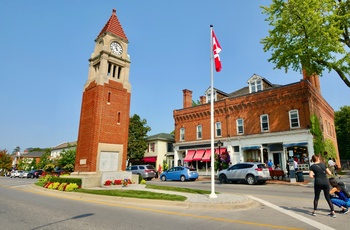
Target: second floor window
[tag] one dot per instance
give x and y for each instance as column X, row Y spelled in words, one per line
column 264, row 121
column 199, row 132
column 294, row 119
column 218, row 129
column 256, row 85
column 151, row 147
column 240, row 126
column 182, row 134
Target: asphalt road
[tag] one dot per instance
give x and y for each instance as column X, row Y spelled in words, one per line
column 280, row 207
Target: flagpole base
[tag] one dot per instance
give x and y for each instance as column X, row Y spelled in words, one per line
column 213, row 195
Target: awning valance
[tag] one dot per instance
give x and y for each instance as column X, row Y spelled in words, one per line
column 189, row 156
column 251, row 147
column 198, row 155
column 207, row 155
column 149, row 159
column 295, row 144
column 222, row 150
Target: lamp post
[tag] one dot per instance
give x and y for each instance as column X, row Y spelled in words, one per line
column 219, row 144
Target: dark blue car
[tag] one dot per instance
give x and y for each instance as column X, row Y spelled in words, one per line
column 179, row 173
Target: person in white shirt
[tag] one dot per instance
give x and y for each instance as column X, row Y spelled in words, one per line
column 331, row 165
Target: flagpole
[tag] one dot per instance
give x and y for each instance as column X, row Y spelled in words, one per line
column 212, row 194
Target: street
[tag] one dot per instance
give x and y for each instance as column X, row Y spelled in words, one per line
column 281, row 207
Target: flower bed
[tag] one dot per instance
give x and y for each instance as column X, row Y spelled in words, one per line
column 124, row 182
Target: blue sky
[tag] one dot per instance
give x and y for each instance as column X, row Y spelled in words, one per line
column 46, row 45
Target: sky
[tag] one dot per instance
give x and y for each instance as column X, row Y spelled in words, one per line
column 46, row 45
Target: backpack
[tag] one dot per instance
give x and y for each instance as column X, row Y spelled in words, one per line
column 344, row 189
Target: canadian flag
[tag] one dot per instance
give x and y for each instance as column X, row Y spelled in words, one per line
column 216, row 50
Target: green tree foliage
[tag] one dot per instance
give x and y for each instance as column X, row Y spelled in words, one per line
column 5, row 160
column 310, row 35
column 44, row 159
column 342, row 128
column 67, row 157
column 316, row 131
column 138, row 130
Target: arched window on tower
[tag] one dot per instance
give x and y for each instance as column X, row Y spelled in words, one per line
column 109, row 98
column 118, row 118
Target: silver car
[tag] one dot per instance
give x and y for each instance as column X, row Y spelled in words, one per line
column 248, row 172
column 148, row 172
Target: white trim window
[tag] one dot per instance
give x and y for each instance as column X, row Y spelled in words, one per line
column 182, row 134
column 264, row 122
column 199, row 131
column 255, row 85
column 240, row 126
column 294, row 119
column 218, row 129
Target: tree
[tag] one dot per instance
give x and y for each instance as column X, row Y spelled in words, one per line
column 5, row 160
column 44, row 159
column 309, row 35
column 67, row 157
column 342, row 128
column 137, row 144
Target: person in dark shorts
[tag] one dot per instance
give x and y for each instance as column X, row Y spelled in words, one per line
column 319, row 172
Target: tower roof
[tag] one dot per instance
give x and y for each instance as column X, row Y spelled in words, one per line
column 113, row 26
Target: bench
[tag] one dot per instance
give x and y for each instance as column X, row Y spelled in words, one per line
column 277, row 173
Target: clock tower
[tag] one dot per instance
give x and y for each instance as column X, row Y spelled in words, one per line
column 105, row 109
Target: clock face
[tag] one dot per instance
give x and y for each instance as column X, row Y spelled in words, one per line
column 116, row 48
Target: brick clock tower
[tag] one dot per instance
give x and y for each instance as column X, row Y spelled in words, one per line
column 105, row 109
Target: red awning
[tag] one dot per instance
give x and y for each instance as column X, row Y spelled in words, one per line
column 222, row 150
column 149, row 159
column 199, row 154
column 189, row 156
column 207, row 155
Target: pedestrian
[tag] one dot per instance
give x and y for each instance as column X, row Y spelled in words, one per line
column 335, row 167
column 341, row 199
column 331, row 166
column 159, row 169
column 319, row 172
column 295, row 164
column 270, row 164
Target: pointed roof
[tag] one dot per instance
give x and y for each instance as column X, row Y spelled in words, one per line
column 113, row 26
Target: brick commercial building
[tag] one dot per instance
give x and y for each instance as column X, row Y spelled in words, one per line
column 259, row 122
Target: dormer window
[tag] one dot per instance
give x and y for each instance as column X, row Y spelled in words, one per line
column 255, row 84
column 208, row 96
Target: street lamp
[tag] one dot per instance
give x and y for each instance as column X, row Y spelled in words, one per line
column 219, row 144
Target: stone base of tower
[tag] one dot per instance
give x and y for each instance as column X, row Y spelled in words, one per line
column 97, row 179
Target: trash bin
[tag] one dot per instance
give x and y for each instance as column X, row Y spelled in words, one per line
column 300, row 176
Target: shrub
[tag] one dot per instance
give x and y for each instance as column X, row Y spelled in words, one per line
column 143, row 182
column 62, row 187
column 71, row 187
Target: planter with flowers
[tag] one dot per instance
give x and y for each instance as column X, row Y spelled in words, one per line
column 123, row 182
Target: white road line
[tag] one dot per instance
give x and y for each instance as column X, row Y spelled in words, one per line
column 293, row 214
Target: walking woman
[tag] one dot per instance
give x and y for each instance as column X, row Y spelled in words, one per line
column 319, row 172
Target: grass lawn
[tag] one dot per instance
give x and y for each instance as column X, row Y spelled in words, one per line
column 142, row 194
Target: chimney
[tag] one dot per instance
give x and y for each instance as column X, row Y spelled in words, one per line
column 202, row 100
column 313, row 79
column 187, row 98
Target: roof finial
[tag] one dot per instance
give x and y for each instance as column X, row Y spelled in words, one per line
column 114, row 12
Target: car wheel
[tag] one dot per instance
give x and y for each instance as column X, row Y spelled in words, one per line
column 223, row 179
column 250, row 179
column 182, row 178
column 163, row 178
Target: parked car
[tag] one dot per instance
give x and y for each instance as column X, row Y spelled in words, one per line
column 23, row 174
column 248, row 172
column 148, row 172
column 16, row 173
column 36, row 173
column 179, row 173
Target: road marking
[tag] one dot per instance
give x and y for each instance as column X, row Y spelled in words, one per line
column 293, row 214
